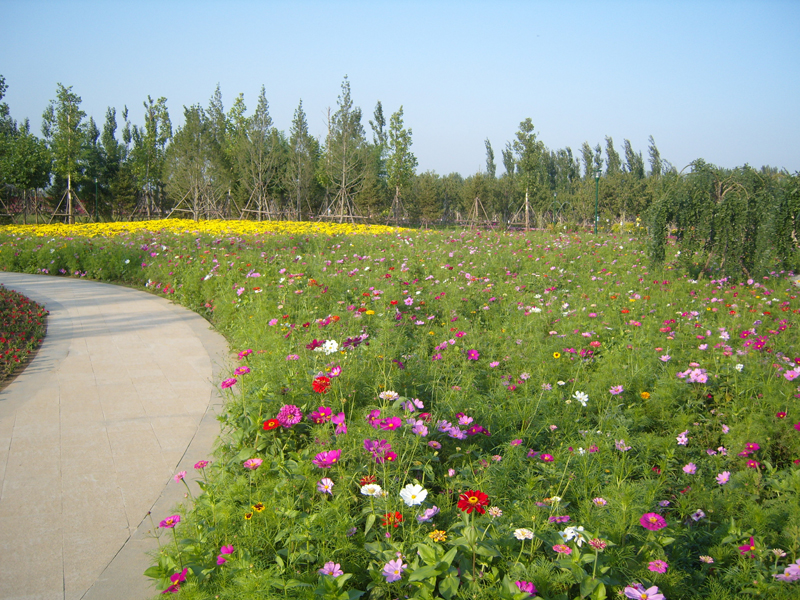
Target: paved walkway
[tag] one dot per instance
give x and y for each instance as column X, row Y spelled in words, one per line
column 119, row 398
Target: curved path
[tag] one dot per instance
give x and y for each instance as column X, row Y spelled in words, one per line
column 120, row 397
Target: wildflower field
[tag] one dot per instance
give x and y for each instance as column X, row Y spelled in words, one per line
column 472, row 414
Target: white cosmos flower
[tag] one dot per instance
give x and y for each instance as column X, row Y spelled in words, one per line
column 371, row 489
column 413, row 494
column 581, row 397
column 571, row 533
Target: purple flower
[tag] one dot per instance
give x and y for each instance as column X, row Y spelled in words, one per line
column 393, row 570
column 559, row 519
column 620, row 445
column 325, row 460
column 428, row 514
column 374, row 418
column 331, row 568
column 697, row 515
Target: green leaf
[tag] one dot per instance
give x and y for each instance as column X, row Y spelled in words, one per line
column 588, row 585
column 427, row 553
column 425, row 573
column 154, row 572
column 447, row 559
column 448, row 586
column 370, row 523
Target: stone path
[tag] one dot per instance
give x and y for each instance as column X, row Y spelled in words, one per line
column 120, row 397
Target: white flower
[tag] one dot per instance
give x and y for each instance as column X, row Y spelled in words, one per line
column 413, row 494
column 523, row 534
column 581, row 397
column 739, row 367
column 571, row 533
column 371, row 489
column 330, row 346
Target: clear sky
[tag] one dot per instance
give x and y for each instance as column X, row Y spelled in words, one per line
column 718, row 80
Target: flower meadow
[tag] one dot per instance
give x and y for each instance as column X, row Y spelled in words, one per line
column 22, row 327
column 469, row 414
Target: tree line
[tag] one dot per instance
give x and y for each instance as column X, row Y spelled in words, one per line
column 236, row 163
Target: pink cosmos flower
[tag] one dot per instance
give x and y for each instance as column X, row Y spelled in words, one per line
column 616, row 390
column 599, row 501
column 547, row 457
column 748, row 548
column 658, row 566
column 723, row 477
column 325, row 486
column 473, row 355
column 331, row 568
column 226, row 549
column 652, row 521
column 325, row 460
column 393, row 570
column 637, row 592
column 253, row 463
column 752, row 464
column 690, row 469
column 791, row 375
column 526, row 586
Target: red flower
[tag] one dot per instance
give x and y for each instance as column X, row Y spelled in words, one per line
column 271, row 424
column 367, row 480
column 321, row 384
column 473, row 500
column 394, row 518
column 781, row 415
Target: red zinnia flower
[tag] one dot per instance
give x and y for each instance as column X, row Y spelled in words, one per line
column 367, row 480
column 321, row 384
column 271, row 424
column 473, row 500
column 394, row 518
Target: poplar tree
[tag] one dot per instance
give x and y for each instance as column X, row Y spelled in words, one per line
column 148, row 155
column 613, row 162
column 63, row 129
column 299, row 178
column 401, row 162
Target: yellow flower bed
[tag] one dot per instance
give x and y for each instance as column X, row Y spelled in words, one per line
column 214, row 227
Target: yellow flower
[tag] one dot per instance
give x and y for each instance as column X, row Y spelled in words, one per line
column 258, row 507
column 438, row 536
column 370, row 312
column 645, row 395
column 556, row 355
column 248, row 516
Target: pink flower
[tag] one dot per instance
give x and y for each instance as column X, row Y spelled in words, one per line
column 652, row 521
column 547, row 457
column 170, row 522
column 226, row 549
column 616, row 390
column 179, row 476
column 393, row 570
column 791, row 375
column 325, row 460
column 748, row 548
column 690, row 469
column 752, row 464
column 243, row 370
column 331, row 568
column 325, row 486
column 473, row 355
column 226, row 383
column 658, row 566
column 289, row 415
column 253, row 463
column 201, row 464
column 599, row 501
column 526, row 586
column 723, row 477
column 562, row 549
column 637, row 592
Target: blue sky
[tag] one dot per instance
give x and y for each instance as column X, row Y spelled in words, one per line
column 707, row 79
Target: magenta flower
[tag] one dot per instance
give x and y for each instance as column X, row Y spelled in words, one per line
column 201, row 464
column 547, row 457
column 390, row 423
column 325, row 460
column 652, row 521
column 559, row 519
column 170, row 522
column 331, row 568
column 226, row 383
column 723, row 477
column 562, row 549
column 658, row 566
column 393, row 570
column 473, row 355
column 253, row 463
column 226, row 549
column 341, row 426
column 321, row 415
column 748, row 548
column 243, row 370
column 289, row 415
column 526, row 586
